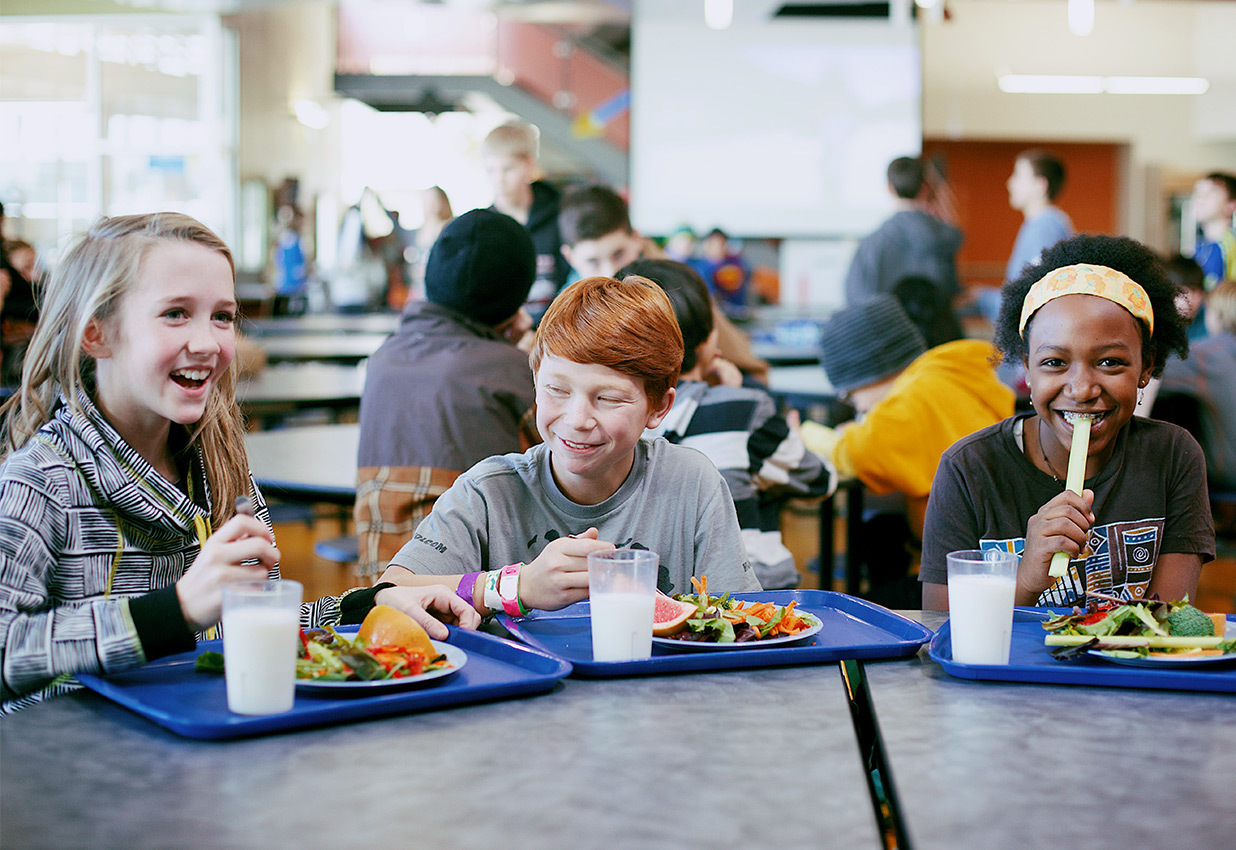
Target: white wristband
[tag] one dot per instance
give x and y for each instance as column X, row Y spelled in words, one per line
column 493, row 599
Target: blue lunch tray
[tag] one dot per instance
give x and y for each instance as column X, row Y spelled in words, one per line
column 1030, row 660
column 172, row 694
column 853, row 628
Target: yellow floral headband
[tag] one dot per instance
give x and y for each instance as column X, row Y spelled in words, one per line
column 1084, row 279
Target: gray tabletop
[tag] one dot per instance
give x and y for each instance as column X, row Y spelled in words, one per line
column 287, row 387
column 340, row 348
column 785, row 355
column 323, row 323
column 312, row 463
column 731, row 759
column 807, row 381
column 992, row 765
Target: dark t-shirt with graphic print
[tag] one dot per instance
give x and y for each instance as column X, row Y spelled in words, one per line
column 1149, row 499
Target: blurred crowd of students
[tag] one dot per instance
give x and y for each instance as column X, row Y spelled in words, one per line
column 899, row 344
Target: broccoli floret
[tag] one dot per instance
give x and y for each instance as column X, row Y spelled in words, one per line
column 1187, row 621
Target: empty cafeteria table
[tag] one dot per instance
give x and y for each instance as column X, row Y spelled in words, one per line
column 785, row 355
column 313, row 463
column 323, row 323
column 994, row 764
column 745, row 758
column 289, row 387
column 801, row 386
column 341, row 348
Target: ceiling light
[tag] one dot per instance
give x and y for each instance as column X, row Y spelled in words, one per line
column 312, row 114
column 1050, row 84
column 1093, row 84
column 1081, row 17
column 718, row 14
column 1157, row 85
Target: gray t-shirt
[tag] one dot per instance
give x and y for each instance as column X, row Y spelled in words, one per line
column 506, row 509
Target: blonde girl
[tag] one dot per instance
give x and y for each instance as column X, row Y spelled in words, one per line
column 122, row 460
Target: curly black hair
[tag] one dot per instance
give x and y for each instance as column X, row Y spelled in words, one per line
column 1116, row 252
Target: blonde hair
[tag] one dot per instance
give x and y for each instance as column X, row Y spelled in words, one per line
column 514, row 138
column 99, row 268
column 1221, row 302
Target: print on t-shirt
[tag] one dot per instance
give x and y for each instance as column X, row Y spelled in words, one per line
column 1120, row 562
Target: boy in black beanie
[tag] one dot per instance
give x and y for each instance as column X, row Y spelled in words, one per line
column 449, row 388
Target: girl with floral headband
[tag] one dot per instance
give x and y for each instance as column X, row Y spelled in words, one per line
column 1092, row 322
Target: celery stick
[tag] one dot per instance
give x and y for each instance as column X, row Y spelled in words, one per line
column 1152, row 641
column 1075, row 480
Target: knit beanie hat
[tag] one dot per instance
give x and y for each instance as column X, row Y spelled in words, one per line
column 482, row 266
column 867, row 342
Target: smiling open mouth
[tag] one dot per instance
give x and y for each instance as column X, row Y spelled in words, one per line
column 1072, row 417
column 573, row 445
column 191, row 378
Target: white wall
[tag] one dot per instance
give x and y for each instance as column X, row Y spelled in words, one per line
column 288, row 53
column 1170, row 138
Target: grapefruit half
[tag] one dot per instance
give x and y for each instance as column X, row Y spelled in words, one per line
column 669, row 616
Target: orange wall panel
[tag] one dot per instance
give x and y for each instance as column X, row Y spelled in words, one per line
column 977, row 172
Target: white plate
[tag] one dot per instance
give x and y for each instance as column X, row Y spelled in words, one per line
column 455, row 656
column 1162, row 661
column 693, row 645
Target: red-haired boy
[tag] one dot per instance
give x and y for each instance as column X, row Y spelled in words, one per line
column 605, row 363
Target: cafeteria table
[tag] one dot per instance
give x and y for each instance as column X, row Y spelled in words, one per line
column 311, row 463
column 806, row 383
column 994, row 764
column 338, row 348
column 746, row 758
column 322, row 323
column 785, row 355
column 292, row 387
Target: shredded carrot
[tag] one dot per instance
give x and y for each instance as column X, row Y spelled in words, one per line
column 789, row 624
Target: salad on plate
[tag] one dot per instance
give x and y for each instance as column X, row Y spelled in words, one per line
column 1142, row 630
column 702, row 618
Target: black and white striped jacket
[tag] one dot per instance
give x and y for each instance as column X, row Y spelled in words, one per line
column 81, row 510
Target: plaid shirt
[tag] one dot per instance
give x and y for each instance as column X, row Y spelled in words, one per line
column 391, row 501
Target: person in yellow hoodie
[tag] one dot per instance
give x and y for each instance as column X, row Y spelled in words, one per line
column 912, row 403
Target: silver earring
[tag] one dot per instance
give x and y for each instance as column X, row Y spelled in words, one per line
column 1141, row 396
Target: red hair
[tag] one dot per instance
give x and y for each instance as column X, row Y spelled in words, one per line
column 628, row 326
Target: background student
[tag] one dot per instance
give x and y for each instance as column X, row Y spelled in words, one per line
column 122, row 450
column 606, row 359
column 912, row 404
column 1214, row 205
column 449, row 387
column 510, row 155
column 598, row 239
column 1092, row 322
column 1035, row 184
column 760, row 455
column 911, row 243
column 1208, row 376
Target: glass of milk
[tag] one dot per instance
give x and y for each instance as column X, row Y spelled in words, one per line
column 622, row 587
column 981, row 585
column 261, row 628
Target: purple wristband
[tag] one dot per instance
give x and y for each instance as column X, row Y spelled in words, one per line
column 466, row 584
